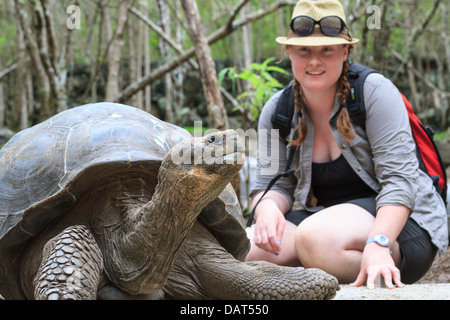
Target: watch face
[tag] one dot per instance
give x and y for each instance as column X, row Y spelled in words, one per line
column 382, row 240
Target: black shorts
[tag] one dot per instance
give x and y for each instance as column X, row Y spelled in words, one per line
column 417, row 250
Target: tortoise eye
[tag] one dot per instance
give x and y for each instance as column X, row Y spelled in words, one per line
column 215, row 139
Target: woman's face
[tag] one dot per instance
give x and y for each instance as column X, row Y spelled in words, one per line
column 318, row 68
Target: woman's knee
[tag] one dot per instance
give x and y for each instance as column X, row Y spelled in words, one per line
column 332, row 230
column 309, row 243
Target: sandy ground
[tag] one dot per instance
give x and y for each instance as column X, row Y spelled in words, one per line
column 435, row 285
column 430, row 291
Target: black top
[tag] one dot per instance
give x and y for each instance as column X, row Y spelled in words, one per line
column 336, row 182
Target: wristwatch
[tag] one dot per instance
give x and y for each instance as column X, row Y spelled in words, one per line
column 381, row 240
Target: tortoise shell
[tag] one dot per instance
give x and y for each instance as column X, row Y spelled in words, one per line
column 49, row 165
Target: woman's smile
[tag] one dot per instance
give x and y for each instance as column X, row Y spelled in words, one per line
column 315, row 73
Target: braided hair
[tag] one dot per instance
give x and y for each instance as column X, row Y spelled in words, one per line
column 343, row 123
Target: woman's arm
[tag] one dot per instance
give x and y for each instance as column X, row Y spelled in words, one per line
column 396, row 167
column 272, row 160
column 376, row 259
column 270, row 221
column 393, row 147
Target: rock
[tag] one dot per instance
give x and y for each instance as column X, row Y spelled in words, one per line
column 5, row 135
column 443, row 146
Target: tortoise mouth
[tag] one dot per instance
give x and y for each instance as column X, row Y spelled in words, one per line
column 221, row 157
column 234, row 158
column 229, row 162
column 222, row 165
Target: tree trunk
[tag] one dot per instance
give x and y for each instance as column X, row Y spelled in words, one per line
column 281, row 22
column 102, row 52
column 139, row 96
column 147, row 69
column 178, row 74
column 49, row 59
column 247, row 38
column 2, row 105
column 132, row 58
column 164, row 19
column 182, row 57
column 112, row 84
column 30, row 99
column 216, row 109
column 19, row 119
column 43, row 85
column 446, row 62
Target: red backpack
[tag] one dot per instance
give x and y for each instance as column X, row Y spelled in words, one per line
column 427, row 153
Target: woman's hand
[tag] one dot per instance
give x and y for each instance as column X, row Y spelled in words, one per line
column 377, row 260
column 270, row 222
column 269, row 227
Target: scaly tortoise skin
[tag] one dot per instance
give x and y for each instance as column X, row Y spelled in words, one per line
column 93, row 205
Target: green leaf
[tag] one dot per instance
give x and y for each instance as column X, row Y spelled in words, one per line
column 277, row 69
column 221, row 75
column 263, row 85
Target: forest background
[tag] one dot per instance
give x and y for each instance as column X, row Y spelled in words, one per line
column 157, row 55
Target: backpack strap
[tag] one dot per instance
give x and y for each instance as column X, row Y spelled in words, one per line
column 284, row 174
column 357, row 75
column 282, row 117
column 281, row 120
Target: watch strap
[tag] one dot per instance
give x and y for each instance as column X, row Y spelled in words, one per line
column 378, row 239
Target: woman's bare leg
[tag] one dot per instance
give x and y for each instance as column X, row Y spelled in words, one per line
column 334, row 239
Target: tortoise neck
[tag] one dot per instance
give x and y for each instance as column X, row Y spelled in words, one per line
column 184, row 193
column 152, row 234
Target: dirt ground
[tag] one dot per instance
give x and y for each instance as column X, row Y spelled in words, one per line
column 439, row 271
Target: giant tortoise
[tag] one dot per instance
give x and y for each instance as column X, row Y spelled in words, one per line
column 102, row 200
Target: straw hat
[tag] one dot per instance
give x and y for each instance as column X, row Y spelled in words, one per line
column 318, row 9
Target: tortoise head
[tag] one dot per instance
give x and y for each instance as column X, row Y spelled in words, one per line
column 219, row 153
column 204, row 164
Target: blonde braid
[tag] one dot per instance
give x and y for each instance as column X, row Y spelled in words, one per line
column 301, row 130
column 343, row 123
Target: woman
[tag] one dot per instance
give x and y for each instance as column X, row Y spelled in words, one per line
column 367, row 209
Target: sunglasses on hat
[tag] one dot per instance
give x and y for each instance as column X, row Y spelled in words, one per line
column 330, row 26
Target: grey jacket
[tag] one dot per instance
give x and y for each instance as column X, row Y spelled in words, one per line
column 383, row 156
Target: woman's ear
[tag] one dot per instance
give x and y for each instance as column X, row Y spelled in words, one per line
column 346, row 51
column 284, row 51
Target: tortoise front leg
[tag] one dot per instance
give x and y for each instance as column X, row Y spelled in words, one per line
column 71, row 267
